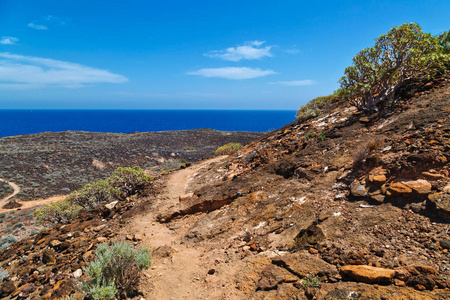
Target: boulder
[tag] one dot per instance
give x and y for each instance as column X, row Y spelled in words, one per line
column 111, row 205
column 368, row 274
column 419, row 186
column 358, row 190
column 272, row 276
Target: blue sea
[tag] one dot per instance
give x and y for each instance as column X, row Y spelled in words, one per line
column 18, row 122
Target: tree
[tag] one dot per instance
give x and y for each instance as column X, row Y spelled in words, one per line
column 404, row 53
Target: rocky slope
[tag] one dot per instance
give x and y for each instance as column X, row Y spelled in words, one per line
column 342, row 206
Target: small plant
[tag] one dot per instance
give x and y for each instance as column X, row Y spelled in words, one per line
column 130, row 180
column 2, row 215
column 115, row 270
column 228, row 149
column 58, row 212
column 322, row 137
column 18, row 225
column 315, row 106
column 3, row 275
column 311, row 281
column 309, row 135
column 91, row 194
column 7, row 241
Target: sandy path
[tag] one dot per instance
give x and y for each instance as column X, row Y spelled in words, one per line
column 182, row 273
column 15, row 192
column 26, row 204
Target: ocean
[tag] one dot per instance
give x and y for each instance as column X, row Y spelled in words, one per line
column 18, row 122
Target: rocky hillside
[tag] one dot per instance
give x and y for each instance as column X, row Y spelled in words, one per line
column 342, row 206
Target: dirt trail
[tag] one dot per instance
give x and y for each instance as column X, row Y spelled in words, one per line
column 15, row 192
column 34, row 203
column 178, row 271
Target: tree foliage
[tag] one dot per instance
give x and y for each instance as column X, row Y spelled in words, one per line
column 404, row 53
column 444, row 41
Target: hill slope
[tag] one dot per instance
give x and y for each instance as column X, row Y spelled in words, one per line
column 343, row 206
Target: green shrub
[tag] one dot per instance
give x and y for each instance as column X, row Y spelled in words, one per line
column 3, row 275
column 228, row 149
column 314, row 107
column 322, row 137
column 100, row 292
column 130, row 180
column 115, row 269
column 58, row 212
column 7, row 241
column 91, row 194
column 2, row 215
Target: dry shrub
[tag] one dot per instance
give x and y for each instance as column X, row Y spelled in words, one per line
column 228, row 149
column 375, row 143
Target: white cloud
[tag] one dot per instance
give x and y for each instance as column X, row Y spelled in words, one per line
column 8, row 40
column 27, row 72
column 232, row 72
column 250, row 50
column 37, row 26
column 295, row 82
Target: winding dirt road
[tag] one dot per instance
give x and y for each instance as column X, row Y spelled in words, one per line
column 26, row 204
column 15, row 192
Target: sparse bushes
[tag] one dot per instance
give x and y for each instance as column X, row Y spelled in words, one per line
column 115, row 270
column 130, row 180
column 58, row 212
column 314, row 107
column 7, row 241
column 228, row 149
column 91, row 194
column 127, row 181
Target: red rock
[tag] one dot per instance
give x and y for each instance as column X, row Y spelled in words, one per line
column 420, row 186
column 101, row 239
column 426, row 269
column 399, row 188
column 368, row 274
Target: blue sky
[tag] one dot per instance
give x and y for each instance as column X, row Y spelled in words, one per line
column 110, row 54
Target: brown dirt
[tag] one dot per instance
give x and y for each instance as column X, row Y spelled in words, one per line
column 179, row 271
